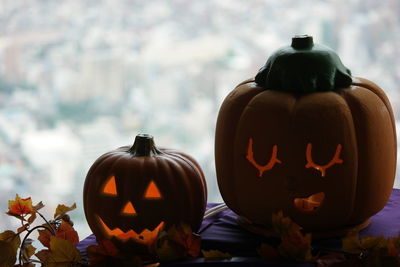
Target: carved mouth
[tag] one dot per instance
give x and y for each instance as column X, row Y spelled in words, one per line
column 146, row 236
column 311, row 203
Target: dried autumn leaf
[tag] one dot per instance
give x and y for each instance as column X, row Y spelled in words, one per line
column 351, row 243
column 67, row 232
column 9, row 244
column 98, row 253
column 168, row 250
column 23, row 228
column 214, row 254
column 373, row 243
column 42, row 255
column 27, row 252
column 44, row 237
column 62, row 253
column 38, row 206
column 268, row 252
column 19, row 206
column 177, row 242
column 392, row 249
column 32, row 218
column 182, row 234
column 62, row 209
column 283, row 225
column 296, row 246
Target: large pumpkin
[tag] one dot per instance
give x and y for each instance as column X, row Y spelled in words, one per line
column 306, row 138
column 131, row 193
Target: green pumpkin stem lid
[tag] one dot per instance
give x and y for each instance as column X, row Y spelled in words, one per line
column 304, row 67
column 144, row 146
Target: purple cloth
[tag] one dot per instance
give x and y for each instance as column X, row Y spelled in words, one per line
column 223, row 233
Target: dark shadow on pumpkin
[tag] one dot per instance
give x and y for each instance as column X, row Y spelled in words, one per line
column 311, row 203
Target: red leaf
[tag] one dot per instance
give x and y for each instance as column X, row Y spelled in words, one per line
column 67, row 232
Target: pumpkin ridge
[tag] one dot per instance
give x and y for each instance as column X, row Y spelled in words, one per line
column 236, row 103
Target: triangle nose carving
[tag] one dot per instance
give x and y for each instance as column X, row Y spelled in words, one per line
column 129, row 209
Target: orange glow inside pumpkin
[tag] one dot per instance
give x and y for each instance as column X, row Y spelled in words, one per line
column 322, row 168
column 262, row 168
column 129, row 209
column 152, row 191
column 311, row 203
column 146, row 236
column 110, row 188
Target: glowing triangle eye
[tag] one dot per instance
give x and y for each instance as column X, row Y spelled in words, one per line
column 129, row 209
column 152, row 191
column 110, row 188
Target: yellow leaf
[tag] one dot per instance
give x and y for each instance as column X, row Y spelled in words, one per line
column 19, row 206
column 9, row 244
column 215, row 255
column 62, row 253
column 62, row 209
column 351, row 243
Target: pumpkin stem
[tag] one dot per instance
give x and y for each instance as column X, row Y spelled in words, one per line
column 144, row 146
column 303, row 67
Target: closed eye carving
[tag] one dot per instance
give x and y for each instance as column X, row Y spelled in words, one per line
column 322, row 168
column 262, row 168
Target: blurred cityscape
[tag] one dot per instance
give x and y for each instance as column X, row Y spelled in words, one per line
column 79, row 78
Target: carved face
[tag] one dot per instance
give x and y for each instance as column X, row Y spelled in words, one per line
column 128, row 213
column 132, row 193
column 325, row 159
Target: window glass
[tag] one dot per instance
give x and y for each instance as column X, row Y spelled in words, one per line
column 80, row 78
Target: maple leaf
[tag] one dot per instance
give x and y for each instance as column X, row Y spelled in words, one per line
column 62, row 253
column 62, row 210
column 67, row 232
column 268, row 252
column 215, row 254
column 19, row 206
column 284, row 225
column 9, row 244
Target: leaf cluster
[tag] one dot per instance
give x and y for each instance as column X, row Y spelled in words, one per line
column 57, row 235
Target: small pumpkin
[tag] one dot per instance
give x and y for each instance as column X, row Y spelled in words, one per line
column 132, row 193
column 307, row 138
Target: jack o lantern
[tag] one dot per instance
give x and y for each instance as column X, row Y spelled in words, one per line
column 306, row 138
column 132, row 193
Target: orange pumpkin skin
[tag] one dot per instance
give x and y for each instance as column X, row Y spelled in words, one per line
column 306, row 138
column 358, row 117
column 162, row 186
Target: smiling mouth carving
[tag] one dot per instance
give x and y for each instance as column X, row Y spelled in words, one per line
column 146, row 236
column 311, row 203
